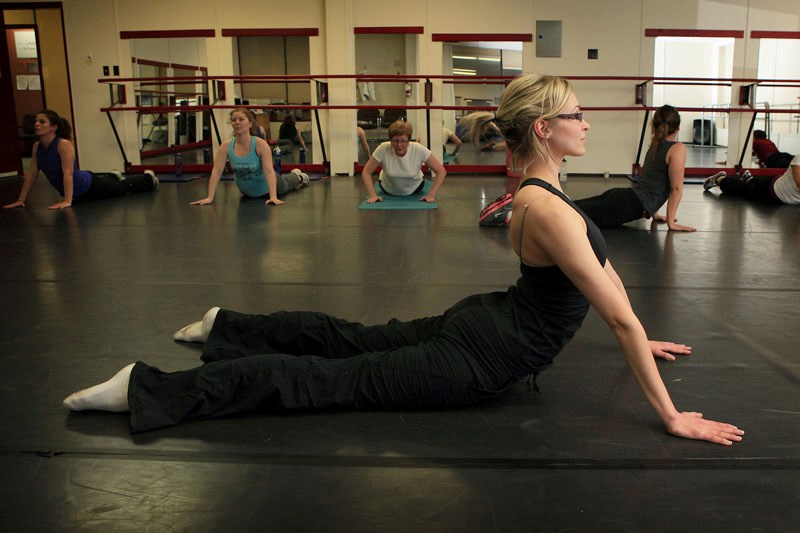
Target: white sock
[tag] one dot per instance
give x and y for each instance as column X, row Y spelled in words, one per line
column 111, row 395
column 197, row 331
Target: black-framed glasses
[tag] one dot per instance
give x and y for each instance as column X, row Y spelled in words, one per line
column 571, row 116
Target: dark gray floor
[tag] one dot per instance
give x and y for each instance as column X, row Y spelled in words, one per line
column 93, row 288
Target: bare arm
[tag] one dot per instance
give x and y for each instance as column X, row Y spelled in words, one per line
column 30, row 180
column 438, row 168
column 362, row 138
column 560, row 237
column 366, row 176
column 457, row 142
column 216, row 173
column 265, row 154
column 661, row 349
column 676, row 161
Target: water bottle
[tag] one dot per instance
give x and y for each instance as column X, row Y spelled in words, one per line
column 302, row 155
column 276, row 160
column 178, row 165
column 207, row 156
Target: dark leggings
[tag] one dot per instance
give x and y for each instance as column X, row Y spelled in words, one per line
column 106, row 185
column 613, row 207
column 304, row 360
column 415, row 191
column 757, row 189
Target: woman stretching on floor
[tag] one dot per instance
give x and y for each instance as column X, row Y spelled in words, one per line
column 54, row 155
column 661, row 180
column 401, row 166
column 472, row 352
column 783, row 189
column 251, row 159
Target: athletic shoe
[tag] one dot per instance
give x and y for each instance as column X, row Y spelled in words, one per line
column 713, row 181
column 302, row 175
column 746, row 176
column 152, row 177
column 498, row 212
column 118, row 174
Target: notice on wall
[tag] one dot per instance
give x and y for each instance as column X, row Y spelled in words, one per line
column 22, row 82
column 34, row 83
column 25, row 41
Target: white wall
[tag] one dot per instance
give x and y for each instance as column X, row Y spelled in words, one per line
column 614, row 27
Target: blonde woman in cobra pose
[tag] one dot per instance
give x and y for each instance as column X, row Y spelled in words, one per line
column 473, row 351
column 251, row 160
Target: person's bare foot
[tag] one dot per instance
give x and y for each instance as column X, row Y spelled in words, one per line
column 111, row 395
column 197, row 331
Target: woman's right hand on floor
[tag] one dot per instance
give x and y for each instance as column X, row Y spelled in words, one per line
column 693, row 426
column 204, row 201
column 15, row 204
column 373, row 199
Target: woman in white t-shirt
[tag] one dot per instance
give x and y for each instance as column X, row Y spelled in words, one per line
column 401, row 166
column 783, row 189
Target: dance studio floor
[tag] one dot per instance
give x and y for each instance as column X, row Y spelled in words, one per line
column 88, row 290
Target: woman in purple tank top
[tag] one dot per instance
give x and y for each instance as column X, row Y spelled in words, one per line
column 54, row 155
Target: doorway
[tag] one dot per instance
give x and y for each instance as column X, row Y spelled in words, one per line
column 34, row 54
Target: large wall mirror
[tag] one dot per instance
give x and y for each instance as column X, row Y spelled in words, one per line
column 290, row 128
column 162, row 134
column 392, row 53
column 471, row 59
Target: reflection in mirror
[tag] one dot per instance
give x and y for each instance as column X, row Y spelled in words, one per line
column 163, row 134
column 477, row 59
column 782, row 128
column 385, row 54
column 291, row 129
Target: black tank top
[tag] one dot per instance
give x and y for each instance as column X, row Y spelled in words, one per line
column 549, row 308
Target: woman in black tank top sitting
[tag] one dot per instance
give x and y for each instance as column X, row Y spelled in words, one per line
column 472, row 352
column 661, row 181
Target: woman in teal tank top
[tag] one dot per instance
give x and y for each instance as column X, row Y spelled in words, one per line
column 251, row 160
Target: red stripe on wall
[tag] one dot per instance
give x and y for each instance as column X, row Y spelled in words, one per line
column 775, row 34
column 659, row 32
column 457, row 37
column 269, row 32
column 157, row 34
column 363, row 30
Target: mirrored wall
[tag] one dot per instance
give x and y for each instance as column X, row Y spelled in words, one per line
column 471, row 60
column 393, row 54
column 157, row 62
column 290, row 128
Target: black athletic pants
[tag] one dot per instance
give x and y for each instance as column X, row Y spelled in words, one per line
column 613, row 207
column 758, row 188
column 107, row 185
column 304, row 360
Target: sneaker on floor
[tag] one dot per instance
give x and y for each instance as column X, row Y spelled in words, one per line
column 152, row 177
column 713, row 181
column 746, row 176
column 118, row 174
column 302, row 175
